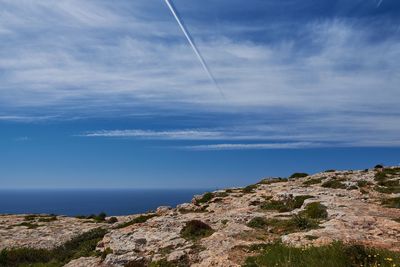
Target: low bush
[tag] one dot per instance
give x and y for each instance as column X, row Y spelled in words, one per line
column 273, row 181
column 335, row 184
column 249, row 189
column 195, row 230
column 257, row 222
column 285, row 205
column 205, row 198
column 362, row 183
column 139, row 219
column 298, row 175
column 315, row 210
column 330, row 171
column 334, row 255
column 29, row 225
column 313, row 181
column 80, row 246
column 392, row 202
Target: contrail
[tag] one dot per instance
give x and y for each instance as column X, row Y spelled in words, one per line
column 379, row 3
column 192, row 44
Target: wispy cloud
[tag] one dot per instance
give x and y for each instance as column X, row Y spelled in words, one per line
column 129, row 56
column 261, row 146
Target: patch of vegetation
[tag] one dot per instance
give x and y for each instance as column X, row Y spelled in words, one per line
column 378, row 166
column 195, row 230
column 315, row 210
column 392, row 202
column 385, row 181
column 330, row 171
column 257, row 222
column 362, row 183
column 106, row 252
column 249, row 189
column 313, row 181
column 162, row 263
column 285, row 205
column 334, row 255
column 205, row 198
column 101, row 217
column 335, row 184
column 298, row 175
column 80, row 246
column 273, row 181
column 139, row 219
column 112, row 220
column 48, row 219
column 29, row 225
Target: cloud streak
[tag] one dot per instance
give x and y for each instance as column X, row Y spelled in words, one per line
column 262, row 146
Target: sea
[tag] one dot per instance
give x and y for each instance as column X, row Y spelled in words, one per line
column 74, row 202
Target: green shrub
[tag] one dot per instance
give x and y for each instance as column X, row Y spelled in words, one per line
column 47, row 219
column 205, row 198
column 313, row 181
column 362, row 183
column 195, row 230
column 315, row 210
column 273, row 181
column 295, row 224
column 330, row 171
column 249, row 189
column 285, row 205
column 80, row 246
column 334, row 255
column 112, row 220
column 139, row 219
column 392, row 202
column 335, row 184
column 161, row 263
column 298, row 175
column 257, row 222
column 29, row 225
column 378, row 166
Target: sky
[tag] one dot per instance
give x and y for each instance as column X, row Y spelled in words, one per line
column 109, row 94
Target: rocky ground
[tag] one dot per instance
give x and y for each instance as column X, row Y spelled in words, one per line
column 359, row 207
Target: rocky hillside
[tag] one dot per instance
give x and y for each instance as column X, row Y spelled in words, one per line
column 231, row 227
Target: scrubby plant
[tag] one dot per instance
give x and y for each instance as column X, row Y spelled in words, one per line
column 298, row 175
column 139, row 219
column 195, row 230
column 257, row 222
column 273, row 180
column 330, row 171
column 112, row 220
column 29, row 225
column 313, row 181
column 392, row 202
column 378, row 166
column 335, row 184
column 315, row 210
column 362, row 183
column 81, row 246
column 287, row 204
column 205, row 198
column 249, row 189
column 334, row 255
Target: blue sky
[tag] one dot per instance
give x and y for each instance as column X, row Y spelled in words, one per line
column 110, row 94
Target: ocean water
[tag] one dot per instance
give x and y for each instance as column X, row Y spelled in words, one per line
column 73, row 202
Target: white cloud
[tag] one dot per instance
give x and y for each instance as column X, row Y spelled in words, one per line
column 261, row 146
column 95, row 55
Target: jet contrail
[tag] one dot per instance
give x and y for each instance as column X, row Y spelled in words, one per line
column 192, row 44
